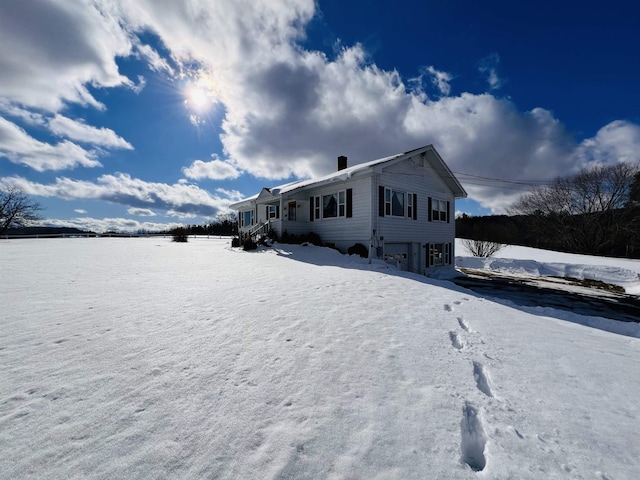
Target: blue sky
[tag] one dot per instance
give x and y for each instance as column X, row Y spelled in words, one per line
column 139, row 115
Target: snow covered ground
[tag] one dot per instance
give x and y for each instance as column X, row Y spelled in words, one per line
column 143, row 358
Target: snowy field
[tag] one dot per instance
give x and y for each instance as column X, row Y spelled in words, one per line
column 143, row 358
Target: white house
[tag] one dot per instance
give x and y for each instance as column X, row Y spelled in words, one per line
column 401, row 208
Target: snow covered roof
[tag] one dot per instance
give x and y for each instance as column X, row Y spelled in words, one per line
column 431, row 154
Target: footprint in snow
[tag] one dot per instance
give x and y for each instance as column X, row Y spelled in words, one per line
column 456, row 341
column 463, row 324
column 473, row 438
column 483, row 381
column 447, row 308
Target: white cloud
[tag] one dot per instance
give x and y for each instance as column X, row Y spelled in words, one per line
column 440, row 79
column 153, row 58
column 26, row 116
column 141, row 212
column 233, row 195
column 142, row 82
column 117, row 224
column 122, row 189
column 215, row 169
column 488, row 67
column 19, row 147
column 181, row 215
column 69, row 44
column 618, row 141
column 80, row 131
column 80, row 211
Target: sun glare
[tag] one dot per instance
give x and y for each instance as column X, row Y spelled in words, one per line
column 197, row 98
column 200, row 92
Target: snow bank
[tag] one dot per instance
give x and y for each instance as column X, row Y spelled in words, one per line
column 533, row 262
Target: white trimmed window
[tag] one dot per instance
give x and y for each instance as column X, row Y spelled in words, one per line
column 394, row 202
column 439, row 254
column 246, row 218
column 272, row 212
column 438, row 210
column 334, row 205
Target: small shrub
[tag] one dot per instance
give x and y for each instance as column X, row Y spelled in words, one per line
column 249, row 244
column 180, row 235
column 314, row 238
column 293, row 239
column 358, row 249
column 273, row 235
column 482, row 248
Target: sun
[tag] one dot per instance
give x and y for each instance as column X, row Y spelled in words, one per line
column 200, row 92
column 197, row 98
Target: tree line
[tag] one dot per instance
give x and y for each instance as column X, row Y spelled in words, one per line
column 594, row 212
column 223, row 225
column 18, row 212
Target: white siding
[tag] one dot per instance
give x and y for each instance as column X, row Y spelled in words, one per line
column 424, row 182
column 301, row 224
column 344, row 232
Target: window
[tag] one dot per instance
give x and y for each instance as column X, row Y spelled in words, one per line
column 394, row 202
column 246, row 218
column 334, row 205
column 438, row 210
column 273, row 211
column 439, row 254
column 292, row 211
column 330, row 205
column 316, row 209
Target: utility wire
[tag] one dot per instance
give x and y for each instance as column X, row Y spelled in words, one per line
column 531, row 183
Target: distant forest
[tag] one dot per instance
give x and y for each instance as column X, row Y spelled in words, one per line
column 618, row 232
column 227, row 226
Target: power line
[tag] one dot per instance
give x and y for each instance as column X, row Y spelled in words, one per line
column 502, row 187
column 531, row 183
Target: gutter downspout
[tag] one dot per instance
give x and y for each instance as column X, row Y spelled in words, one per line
column 281, row 217
column 372, row 231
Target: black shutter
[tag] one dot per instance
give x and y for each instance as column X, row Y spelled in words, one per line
column 448, row 213
column 381, row 201
column 311, row 209
column 430, row 214
column 428, row 259
column 266, row 207
column 277, row 211
column 415, row 206
column 349, row 200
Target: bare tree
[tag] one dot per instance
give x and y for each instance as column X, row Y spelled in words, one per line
column 16, row 209
column 585, row 212
column 634, row 192
column 482, row 248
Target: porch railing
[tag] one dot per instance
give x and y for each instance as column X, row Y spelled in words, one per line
column 260, row 229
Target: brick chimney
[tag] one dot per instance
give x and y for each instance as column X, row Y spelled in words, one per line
column 342, row 162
